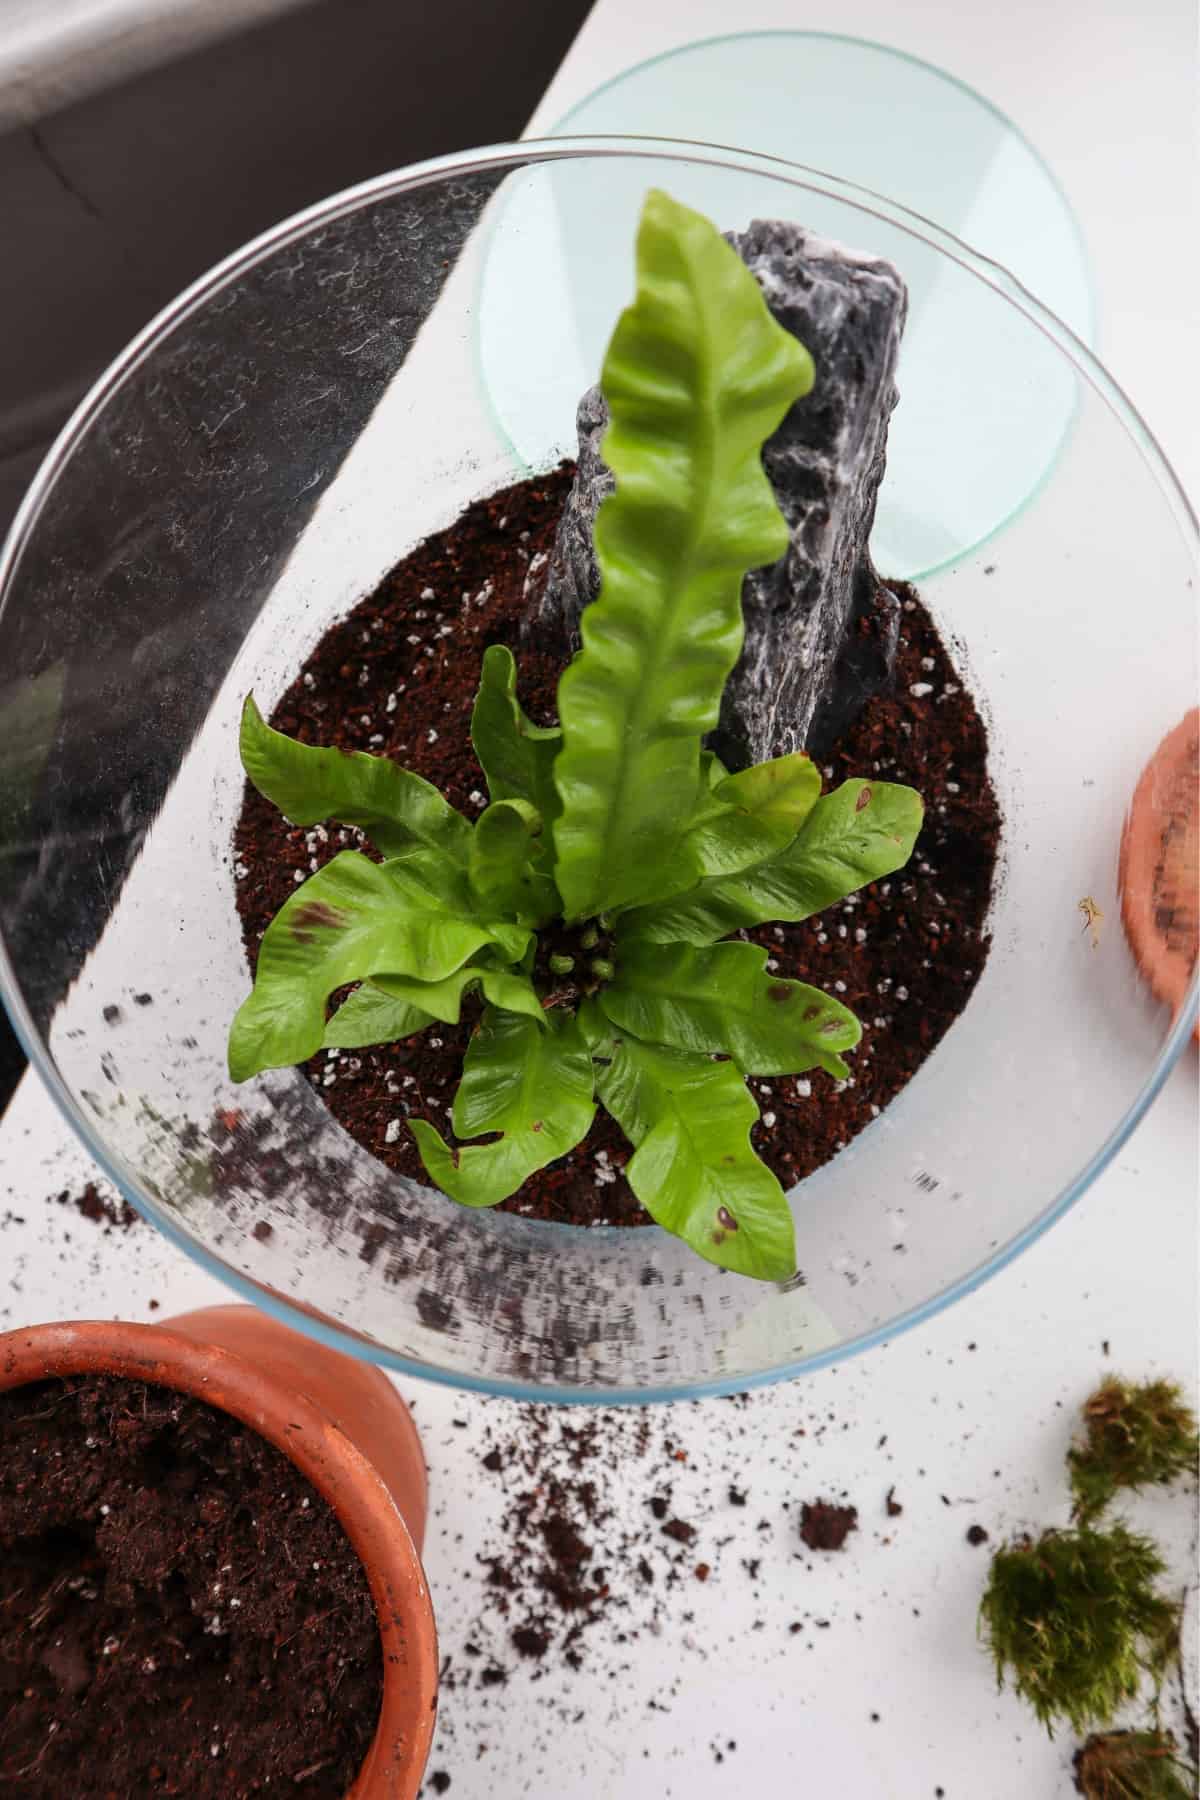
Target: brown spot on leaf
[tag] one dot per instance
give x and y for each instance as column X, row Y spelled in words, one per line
column 831, row 1028
column 726, row 1219
column 314, row 912
column 779, row 991
column 538, row 1125
column 811, row 1012
column 864, row 799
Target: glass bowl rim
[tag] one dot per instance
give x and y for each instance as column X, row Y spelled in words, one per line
column 457, row 165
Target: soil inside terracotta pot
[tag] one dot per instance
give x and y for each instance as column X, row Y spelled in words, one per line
column 182, row 1612
column 398, row 677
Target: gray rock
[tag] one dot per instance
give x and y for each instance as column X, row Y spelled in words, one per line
column 573, row 579
column 805, row 669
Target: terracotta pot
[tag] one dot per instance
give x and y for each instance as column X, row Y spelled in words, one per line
column 344, row 1427
column 1157, row 873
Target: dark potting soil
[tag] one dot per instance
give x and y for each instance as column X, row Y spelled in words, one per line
column 100, row 1208
column 824, row 1526
column 182, row 1611
column 398, row 677
column 598, row 1528
column 563, row 1559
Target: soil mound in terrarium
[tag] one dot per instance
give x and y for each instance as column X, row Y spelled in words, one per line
column 182, row 1611
column 398, row 677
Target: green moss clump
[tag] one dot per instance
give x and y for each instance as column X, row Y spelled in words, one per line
column 1137, row 1434
column 1074, row 1620
column 1133, row 1765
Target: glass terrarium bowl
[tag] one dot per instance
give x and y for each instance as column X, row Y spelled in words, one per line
column 256, row 461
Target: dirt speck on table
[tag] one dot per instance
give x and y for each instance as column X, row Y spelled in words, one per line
column 824, row 1526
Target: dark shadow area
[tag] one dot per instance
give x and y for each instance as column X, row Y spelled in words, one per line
column 116, row 203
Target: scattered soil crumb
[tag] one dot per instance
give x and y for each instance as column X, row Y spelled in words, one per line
column 824, row 1526
column 100, row 1208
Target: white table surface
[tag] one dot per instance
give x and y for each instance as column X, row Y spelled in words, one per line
column 975, row 1406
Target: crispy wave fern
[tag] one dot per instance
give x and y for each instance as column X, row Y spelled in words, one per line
column 697, row 377
column 587, row 905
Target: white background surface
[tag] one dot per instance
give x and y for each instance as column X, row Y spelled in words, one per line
column 1106, row 94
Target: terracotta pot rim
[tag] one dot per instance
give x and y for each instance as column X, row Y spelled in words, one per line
column 305, row 1433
